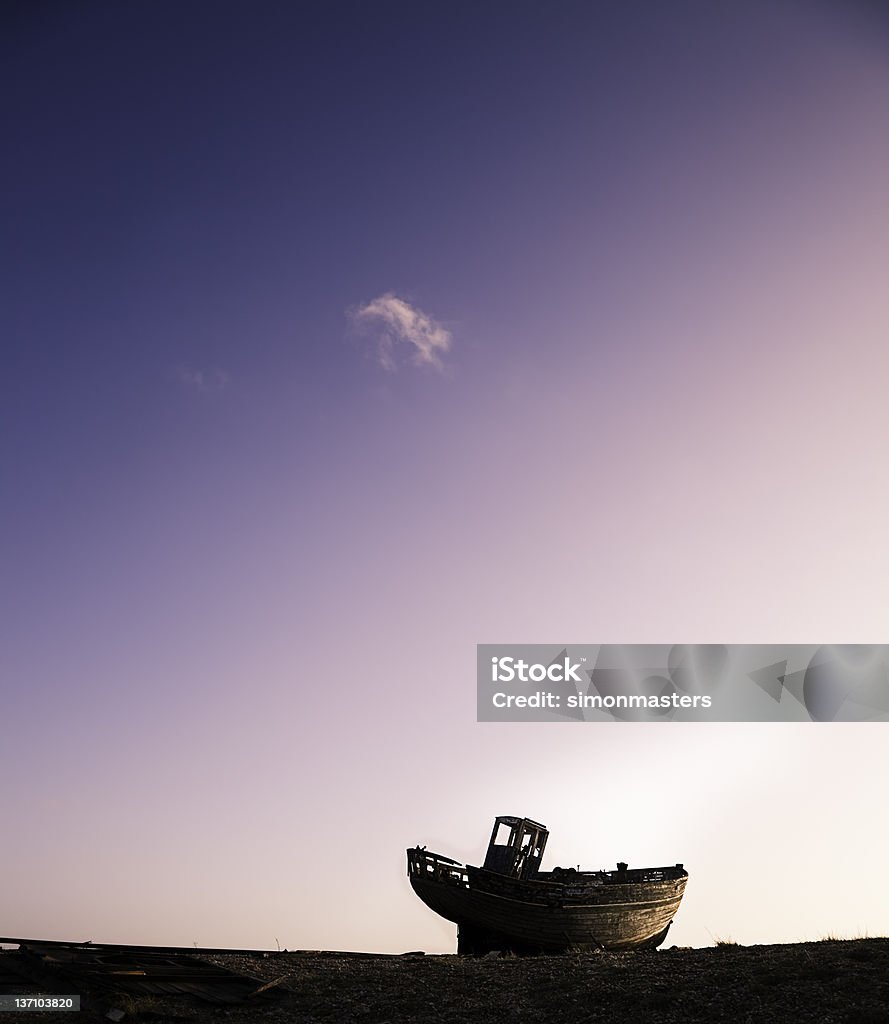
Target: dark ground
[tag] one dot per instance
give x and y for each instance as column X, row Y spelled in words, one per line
column 831, row 982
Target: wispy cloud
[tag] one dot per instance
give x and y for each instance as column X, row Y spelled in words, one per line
column 400, row 324
column 204, row 381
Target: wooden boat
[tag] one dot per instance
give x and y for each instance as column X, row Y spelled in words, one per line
column 510, row 904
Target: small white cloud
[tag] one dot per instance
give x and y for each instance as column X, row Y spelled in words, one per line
column 204, row 381
column 400, row 323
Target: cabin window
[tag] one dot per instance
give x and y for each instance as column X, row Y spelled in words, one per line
column 503, row 834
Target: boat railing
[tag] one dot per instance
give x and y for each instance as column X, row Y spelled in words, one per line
column 649, row 874
column 422, row 863
column 623, row 875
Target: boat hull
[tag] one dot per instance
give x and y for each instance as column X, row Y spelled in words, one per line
column 611, row 917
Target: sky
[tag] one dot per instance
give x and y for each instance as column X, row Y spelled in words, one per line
column 340, row 338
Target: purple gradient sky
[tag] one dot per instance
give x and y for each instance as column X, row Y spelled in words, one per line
column 239, row 619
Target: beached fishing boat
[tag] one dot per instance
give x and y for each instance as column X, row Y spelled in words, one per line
column 510, row 904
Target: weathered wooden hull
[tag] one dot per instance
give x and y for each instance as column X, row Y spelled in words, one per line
column 493, row 912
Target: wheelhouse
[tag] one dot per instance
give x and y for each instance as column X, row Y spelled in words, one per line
column 516, row 847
